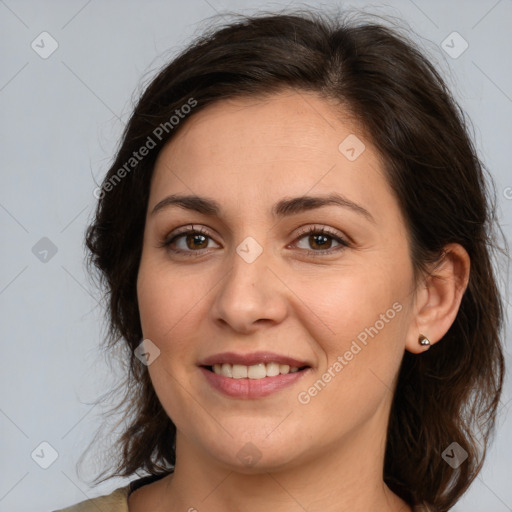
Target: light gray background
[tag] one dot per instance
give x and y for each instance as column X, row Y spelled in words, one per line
column 61, row 118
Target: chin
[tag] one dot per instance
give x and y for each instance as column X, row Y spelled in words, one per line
column 253, row 456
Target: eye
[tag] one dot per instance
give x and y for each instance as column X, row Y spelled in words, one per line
column 321, row 240
column 187, row 241
column 195, row 240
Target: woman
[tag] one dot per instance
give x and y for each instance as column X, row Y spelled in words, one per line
column 296, row 238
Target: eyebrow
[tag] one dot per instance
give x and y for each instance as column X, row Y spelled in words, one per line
column 283, row 208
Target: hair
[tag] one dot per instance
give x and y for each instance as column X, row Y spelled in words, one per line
column 449, row 394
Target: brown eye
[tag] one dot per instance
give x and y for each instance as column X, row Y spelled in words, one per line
column 195, row 241
column 319, row 241
column 187, row 241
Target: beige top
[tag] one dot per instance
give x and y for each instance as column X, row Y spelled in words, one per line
column 117, row 501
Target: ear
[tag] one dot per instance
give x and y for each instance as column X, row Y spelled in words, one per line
column 438, row 298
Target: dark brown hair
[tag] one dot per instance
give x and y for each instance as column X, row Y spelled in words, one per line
column 449, row 394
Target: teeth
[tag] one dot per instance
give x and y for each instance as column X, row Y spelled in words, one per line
column 239, row 371
column 255, row 371
column 272, row 369
column 226, row 370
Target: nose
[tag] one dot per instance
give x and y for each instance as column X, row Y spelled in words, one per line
column 250, row 295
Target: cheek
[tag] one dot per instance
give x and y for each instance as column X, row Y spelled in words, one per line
column 359, row 321
column 166, row 299
column 342, row 303
column 167, row 303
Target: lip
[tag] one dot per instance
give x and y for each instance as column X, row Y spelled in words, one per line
column 250, row 389
column 251, row 359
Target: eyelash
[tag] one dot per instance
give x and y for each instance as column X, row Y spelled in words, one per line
column 307, row 231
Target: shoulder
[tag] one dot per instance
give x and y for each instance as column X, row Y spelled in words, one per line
column 117, row 501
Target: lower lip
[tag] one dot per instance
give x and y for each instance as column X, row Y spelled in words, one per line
column 251, row 388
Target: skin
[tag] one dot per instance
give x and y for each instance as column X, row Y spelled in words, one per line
column 328, row 454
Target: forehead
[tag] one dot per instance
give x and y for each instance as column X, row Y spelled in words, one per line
column 286, row 122
column 260, row 149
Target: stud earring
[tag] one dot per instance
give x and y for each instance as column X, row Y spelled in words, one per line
column 424, row 341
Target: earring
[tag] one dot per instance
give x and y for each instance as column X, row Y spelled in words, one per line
column 424, row 341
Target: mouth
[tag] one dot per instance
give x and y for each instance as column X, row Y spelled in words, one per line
column 255, row 371
column 256, row 365
column 252, row 376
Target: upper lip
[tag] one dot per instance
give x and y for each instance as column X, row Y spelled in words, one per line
column 252, row 359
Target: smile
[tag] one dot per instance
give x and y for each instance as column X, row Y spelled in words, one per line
column 255, row 371
column 255, row 387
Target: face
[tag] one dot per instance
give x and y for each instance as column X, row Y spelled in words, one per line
column 281, row 323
